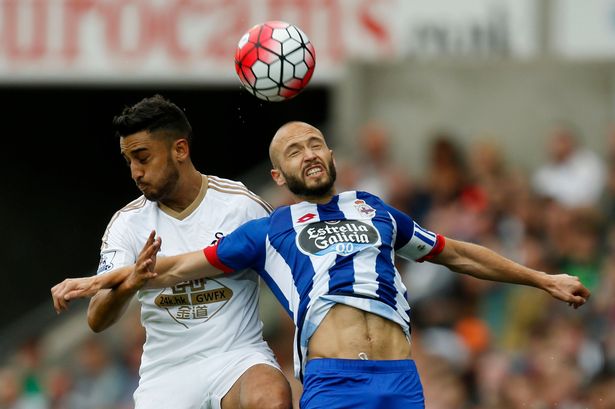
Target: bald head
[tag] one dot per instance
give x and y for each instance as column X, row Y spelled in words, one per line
column 284, row 136
column 303, row 162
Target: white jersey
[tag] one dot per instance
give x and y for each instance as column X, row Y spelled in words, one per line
column 199, row 318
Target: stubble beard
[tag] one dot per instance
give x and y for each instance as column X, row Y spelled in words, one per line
column 169, row 181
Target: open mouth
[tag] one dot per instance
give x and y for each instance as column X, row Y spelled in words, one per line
column 314, row 171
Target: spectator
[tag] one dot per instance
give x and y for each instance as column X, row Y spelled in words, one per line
column 573, row 175
column 13, row 394
column 99, row 383
column 376, row 170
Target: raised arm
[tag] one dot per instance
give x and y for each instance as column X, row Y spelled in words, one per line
column 172, row 270
column 109, row 303
column 483, row 263
column 86, row 286
column 147, row 272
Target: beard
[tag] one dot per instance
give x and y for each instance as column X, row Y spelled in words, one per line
column 168, row 182
column 298, row 187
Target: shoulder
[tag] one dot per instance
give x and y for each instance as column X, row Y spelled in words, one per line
column 134, row 212
column 370, row 199
column 281, row 219
column 133, row 209
column 236, row 194
column 135, row 205
column 282, row 211
column 366, row 199
column 367, row 196
column 255, row 229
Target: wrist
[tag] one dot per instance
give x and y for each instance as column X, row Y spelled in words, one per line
column 545, row 281
column 98, row 281
column 133, row 281
column 130, row 285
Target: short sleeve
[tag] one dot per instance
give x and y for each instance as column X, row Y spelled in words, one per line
column 413, row 242
column 243, row 248
column 116, row 249
column 255, row 207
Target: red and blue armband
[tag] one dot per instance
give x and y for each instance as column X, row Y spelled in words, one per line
column 211, row 254
column 436, row 249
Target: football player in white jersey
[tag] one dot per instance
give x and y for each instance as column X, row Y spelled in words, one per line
column 204, row 345
column 329, row 259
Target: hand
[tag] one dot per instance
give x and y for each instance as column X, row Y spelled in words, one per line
column 143, row 270
column 72, row 288
column 568, row 288
column 146, row 263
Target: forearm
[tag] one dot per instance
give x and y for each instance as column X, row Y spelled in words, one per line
column 110, row 302
column 483, row 263
column 115, row 278
column 176, row 269
column 107, row 306
column 486, row 264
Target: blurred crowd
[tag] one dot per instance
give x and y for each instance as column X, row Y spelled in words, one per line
column 478, row 344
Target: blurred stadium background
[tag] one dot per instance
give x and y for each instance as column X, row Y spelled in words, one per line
column 491, row 121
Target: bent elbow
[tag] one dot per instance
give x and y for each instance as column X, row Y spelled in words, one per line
column 97, row 321
column 95, row 324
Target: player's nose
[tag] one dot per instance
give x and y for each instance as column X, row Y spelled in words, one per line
column 136, row 172
column 309, row 155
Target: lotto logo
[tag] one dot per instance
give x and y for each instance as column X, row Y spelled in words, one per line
column 306, row 217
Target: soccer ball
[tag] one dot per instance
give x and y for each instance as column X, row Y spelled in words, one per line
column 274, row 60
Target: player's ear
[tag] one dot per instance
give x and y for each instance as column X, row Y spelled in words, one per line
column 278, row 177
column 181, row 149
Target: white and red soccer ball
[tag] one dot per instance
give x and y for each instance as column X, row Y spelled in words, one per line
column 275, row 60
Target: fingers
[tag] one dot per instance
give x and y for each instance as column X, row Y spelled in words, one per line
column 569, row 289
column 150, row 251
column 577, row 301
column 70, row 289
column 56, row 303
column 57, row 294
column 145, row 269
column 151, row 239
column 60, row 302
column 151, row 247
column 583, row 292
column 146, row 262
column 580, row 294
column 154, row 248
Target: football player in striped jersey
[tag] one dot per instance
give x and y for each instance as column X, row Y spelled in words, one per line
column 329, row 259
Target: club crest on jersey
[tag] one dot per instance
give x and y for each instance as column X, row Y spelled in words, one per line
column 364, row 209
column 106, row 262
column 343, row 237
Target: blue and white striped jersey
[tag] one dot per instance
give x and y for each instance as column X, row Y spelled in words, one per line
column 313, row 256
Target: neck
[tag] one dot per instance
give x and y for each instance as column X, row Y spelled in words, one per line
column 186, row 190
column 321, row 199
